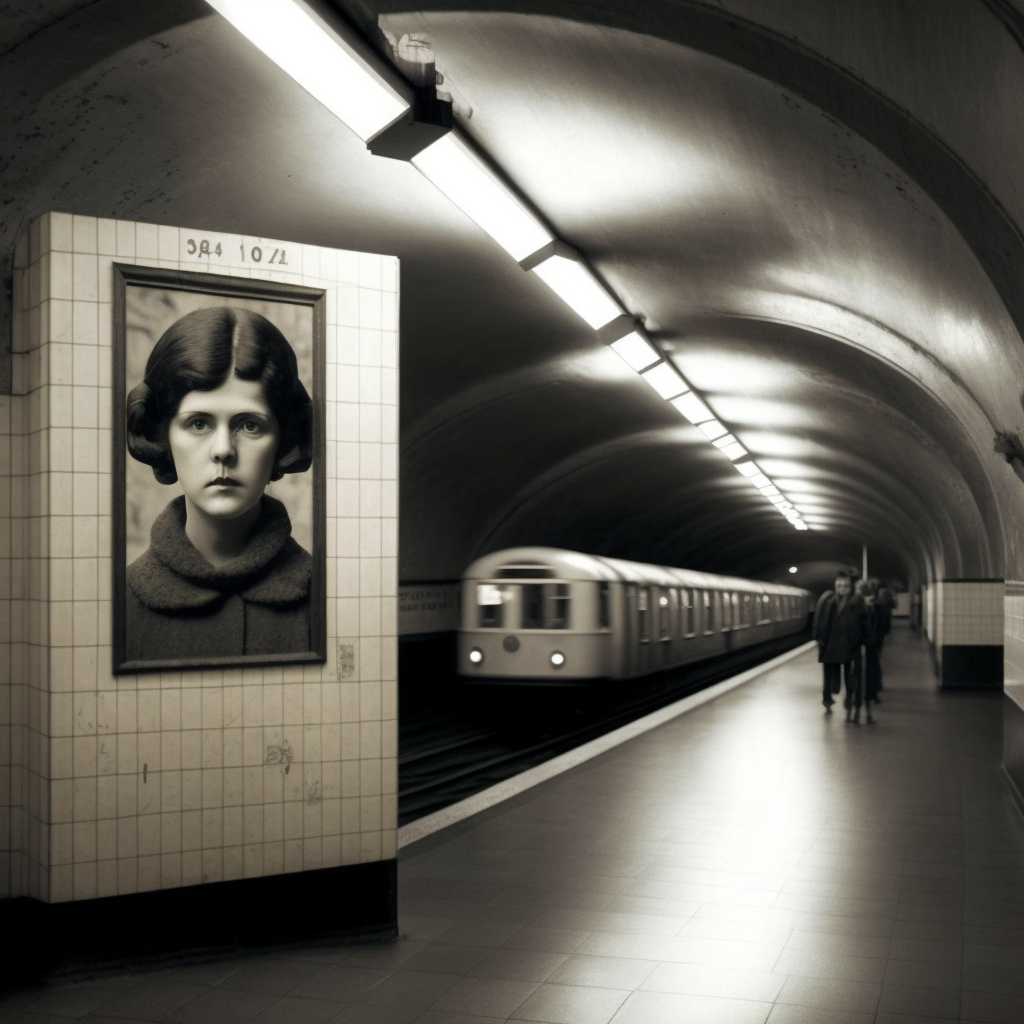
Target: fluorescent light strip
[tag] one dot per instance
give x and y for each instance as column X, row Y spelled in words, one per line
column 472, row 186
column 636, row 351
column 734, row 451
column 712, row 429
column 693, row 408
column 308, row 49
column 318, row 58
column 577, row 287
column 664, row 380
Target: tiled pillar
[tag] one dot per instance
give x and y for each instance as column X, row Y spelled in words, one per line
column 1013, row 685
column 969, row 633
column 119, row 785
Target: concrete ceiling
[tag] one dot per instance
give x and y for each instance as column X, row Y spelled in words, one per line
column 815, row 204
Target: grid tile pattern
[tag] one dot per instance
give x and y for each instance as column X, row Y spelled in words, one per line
column 752, row 860
column 1013, row 640
column 132, row 783
column 970, row 613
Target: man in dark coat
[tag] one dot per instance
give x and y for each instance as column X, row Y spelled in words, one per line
column 838, row 630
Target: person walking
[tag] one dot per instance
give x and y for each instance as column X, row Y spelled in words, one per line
column 837, row 629
column 876, row 625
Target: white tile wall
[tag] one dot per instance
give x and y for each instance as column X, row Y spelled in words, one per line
column 970, row 612
column 130, row 783
column 1013, row 640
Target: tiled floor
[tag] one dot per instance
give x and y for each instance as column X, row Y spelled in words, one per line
column 751, row 861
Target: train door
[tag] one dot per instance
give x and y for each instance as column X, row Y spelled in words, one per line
column 630, row 632
column 668, row 616
column 644, row 617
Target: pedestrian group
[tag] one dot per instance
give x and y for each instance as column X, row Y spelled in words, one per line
column 850, row 625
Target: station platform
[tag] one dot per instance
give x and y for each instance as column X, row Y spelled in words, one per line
column 751, row 860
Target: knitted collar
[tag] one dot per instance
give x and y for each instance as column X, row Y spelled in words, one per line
column 273, row 569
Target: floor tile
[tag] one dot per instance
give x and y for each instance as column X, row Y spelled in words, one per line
column 299, row 1011
column 155, row 1000
column 519, row 965
column 669, row 1008
column 485, row 997
column 831, row 994
column 343, row 984
column 787, row 1013
column 271, row 975
column 222, row 1006
column 571, row 1004
column 922, row 1002
column 992, row 1008
column 413, row 989
column 691, row 979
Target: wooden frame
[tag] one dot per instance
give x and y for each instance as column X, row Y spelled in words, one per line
column 146, row 301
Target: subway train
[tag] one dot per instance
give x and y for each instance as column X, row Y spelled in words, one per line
column 549, row 616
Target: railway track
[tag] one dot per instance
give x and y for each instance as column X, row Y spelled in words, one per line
column 470, row 737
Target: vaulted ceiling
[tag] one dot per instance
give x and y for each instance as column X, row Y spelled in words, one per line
column 815, row 205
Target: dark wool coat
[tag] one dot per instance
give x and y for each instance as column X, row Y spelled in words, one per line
column 838, row 632
column 875, row 624
column 178, row 605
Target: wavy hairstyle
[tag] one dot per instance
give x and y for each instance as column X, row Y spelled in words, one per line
column 197, row 353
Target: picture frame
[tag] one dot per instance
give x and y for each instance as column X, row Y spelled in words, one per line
column 267, row 604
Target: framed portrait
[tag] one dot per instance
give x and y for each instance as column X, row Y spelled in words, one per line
column 218, row 506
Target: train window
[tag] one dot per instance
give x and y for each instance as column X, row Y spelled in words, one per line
column 490, row 600
column 642, row 602
column 524, row 572
column 689, row 613
column 545, row 606
column 603, row 606
column 764, row 610
column 709, row 626
column 726, row 614
column 665, row 616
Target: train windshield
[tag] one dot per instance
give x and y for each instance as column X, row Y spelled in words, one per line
column 491, row 599
column 522, row 605
column 545, row 605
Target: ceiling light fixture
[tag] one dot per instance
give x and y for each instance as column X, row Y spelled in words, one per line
column 463, row 176
column 693, row 408
column 625, row 337
column 559, row 266
column 664, row 379
column 712, row 429
column 396, row 120
column 345, row 77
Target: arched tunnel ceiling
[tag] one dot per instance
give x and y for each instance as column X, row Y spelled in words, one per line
column 814, row 205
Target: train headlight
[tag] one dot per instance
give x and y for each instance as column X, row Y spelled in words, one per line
column 557, row 659
column 476, row 656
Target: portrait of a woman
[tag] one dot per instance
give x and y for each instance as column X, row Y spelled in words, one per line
column 220, row 413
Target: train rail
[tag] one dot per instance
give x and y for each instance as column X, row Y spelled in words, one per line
column 468, row 738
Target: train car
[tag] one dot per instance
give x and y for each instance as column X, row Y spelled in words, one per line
column 551, row 616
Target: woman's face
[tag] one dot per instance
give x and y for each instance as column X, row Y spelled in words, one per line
column 224, row 443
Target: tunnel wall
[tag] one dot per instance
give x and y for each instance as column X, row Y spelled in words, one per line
column 969, row 633
column 1013, row 685
column 126, row 784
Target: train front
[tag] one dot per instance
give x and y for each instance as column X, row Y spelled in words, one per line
column 528, row 616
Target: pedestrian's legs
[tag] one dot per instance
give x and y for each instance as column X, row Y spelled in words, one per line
column 872, row 678
column 829, row 674
column 852, row 676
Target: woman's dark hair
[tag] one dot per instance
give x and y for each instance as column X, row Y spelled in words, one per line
column 196, row 353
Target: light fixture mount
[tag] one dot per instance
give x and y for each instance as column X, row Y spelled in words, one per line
column 427, row 120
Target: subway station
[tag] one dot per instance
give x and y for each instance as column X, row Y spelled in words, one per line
column 371, row 372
